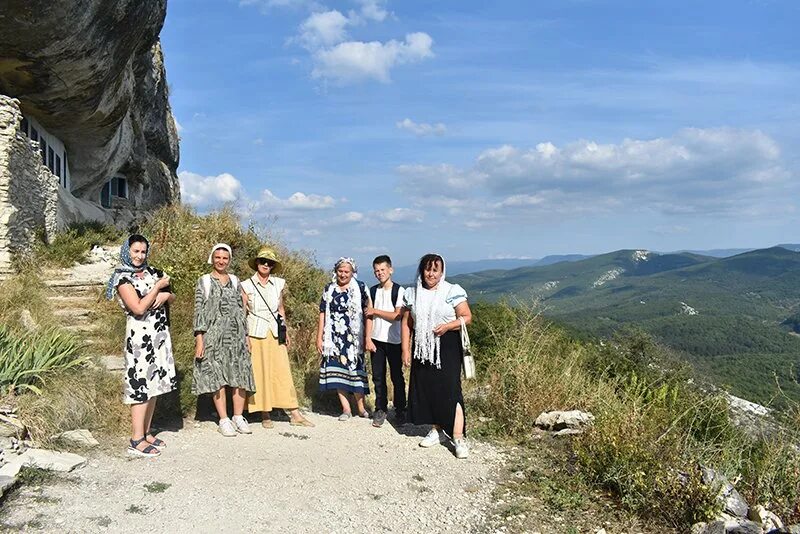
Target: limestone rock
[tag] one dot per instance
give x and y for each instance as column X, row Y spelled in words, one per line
column 92, row 74
column 43, row 459
column 768, row 520
column 6, row 483
column 27, row 322
column 742, row 526
column 555, row 421
column 81, row 438
column 733, row 502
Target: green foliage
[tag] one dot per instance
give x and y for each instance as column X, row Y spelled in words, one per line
column 73, row 245
column 654, row 428
column 27, row 358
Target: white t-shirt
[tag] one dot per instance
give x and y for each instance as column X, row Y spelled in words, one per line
column 383, row 330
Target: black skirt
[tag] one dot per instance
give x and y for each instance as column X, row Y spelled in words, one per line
column 433, row 394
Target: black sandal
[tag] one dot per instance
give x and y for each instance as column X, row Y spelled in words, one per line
column 156, row 442
column 147, row 452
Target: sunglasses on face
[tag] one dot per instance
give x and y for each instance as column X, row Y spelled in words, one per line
column 262, row 261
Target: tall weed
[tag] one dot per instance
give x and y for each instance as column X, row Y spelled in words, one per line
column 27, row 358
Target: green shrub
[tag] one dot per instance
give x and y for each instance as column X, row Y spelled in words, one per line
column 73, row 245
column 27, row 358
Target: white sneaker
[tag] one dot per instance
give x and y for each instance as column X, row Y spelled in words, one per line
column 462, row 449
column 226, row 428
column 241, row 424
column 434, row 437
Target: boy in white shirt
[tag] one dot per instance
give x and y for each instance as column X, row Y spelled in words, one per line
column 383, row 341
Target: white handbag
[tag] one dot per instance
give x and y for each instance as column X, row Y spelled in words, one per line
column 469, row 360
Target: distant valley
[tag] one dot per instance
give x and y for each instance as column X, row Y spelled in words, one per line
column 733, row 317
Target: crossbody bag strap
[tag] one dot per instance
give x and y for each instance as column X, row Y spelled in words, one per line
column 265, row 302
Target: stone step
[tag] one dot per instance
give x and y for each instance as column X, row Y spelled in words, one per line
column 72, row 312
column 80, row 328
column 113, row 362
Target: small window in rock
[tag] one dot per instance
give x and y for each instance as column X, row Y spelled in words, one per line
column 119, row 187
column 23, row 126
column 105, row 195
column 51, row 163
column 34, row 134
column 43, row 146
column 58, row 166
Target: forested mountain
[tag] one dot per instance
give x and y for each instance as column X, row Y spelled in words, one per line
column 735, row 318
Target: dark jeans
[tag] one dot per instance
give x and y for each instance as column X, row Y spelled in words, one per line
column 391, row 353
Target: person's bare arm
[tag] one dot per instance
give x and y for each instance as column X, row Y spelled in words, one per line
column 139, row 306
column 406, row 327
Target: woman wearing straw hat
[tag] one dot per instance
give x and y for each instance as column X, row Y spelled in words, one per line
column 221, row 356
column 265, row 313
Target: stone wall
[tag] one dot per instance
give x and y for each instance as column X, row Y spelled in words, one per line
column 28, row 190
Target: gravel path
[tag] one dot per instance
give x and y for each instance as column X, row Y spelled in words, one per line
column 337, row 477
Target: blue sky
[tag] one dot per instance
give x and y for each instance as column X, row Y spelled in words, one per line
column 491, row 129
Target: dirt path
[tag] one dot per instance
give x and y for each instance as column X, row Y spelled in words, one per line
column 337, row 477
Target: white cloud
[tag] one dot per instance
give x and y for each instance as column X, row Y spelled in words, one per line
column 371, row 10
column 398, row 215
column 205, row 191
column 311, row 233
column 296, row 202
column 714, row 170
column 422, row 128
column 355, row 61
column 323, row 29
column 178, row 126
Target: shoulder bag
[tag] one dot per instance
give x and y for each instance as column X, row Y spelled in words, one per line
column 469, row 360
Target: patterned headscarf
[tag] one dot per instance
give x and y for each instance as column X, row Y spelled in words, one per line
column 339, row 262
column 126, row 265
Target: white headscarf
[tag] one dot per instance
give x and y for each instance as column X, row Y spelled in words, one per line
column 426, row 304
column 354, row 313
column 216, row 247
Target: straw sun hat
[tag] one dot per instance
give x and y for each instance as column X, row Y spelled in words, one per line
column 267, row 254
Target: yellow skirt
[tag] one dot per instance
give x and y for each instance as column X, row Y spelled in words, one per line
column 273, row 378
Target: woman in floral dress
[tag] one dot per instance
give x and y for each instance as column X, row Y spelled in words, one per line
column 143, row 293
column 340, row 337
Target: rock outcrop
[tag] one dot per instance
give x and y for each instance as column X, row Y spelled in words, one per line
column 91, row 72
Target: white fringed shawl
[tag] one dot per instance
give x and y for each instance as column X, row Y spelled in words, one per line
column 432, row 307
column 354, row 313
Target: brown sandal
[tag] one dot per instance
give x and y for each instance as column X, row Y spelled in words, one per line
column 267, row 423
column 302, row 422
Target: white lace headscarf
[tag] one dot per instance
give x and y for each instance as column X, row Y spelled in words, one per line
column 426, row 305
column 354, row 313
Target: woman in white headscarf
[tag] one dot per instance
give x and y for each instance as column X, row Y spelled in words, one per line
column 222, row 358
column 431, row 345
column 340, row 337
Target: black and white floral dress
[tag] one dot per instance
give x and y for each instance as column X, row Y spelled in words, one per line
column 149, row 363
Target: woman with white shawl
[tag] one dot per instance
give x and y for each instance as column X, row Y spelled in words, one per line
column 340, row 337
column 431, row 345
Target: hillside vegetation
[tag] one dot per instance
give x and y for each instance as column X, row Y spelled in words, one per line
column 731, row 317
column 654, row 429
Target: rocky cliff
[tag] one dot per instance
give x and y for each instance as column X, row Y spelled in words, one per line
column 92, row 73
